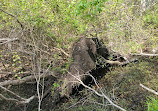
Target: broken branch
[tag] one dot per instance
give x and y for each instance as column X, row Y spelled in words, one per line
column 144, row 54
column 60, row 49
column 97, row 93
column 8, row 99
column 150, row 90
column 23, row 100
column 17, row 101
column 120, row 63
column 24, row 80
column 6, row 40
column 11, row 92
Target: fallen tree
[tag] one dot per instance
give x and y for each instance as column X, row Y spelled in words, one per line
column 24, row 80
column 89, row 55
column 85, row 55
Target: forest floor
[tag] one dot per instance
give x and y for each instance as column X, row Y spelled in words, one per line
column 37, row 38
column 122, row 85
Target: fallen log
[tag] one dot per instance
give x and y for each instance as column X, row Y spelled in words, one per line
column 25, row 79
column 85, row 55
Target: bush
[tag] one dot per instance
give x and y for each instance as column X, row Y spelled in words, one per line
column 151, row 17
column 152, row 104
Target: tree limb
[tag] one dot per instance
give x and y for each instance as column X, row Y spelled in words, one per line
column 8, row 99
column 97, row 93
column 60, row 49
column 118, row 63
column 6, row 40
column 150, row 90
column 11, row 92
column 23, row 100
column 24, row 80
column 16, row 100
column 144, row 54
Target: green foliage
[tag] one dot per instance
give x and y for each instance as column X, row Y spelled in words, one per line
column 55, row 85
column 56, row 23
column 17, row 65
column 41, row 13
column 58, row 19
column 89, row 8
column 152, row 104
column 151, row 16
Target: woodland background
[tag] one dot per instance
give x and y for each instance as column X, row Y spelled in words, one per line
column 36, row 40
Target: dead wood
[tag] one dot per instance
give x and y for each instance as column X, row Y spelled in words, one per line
column 118, row 63
column 150, row 90
column 21, row 101
column 25, row 79
column 145, row 54
column 16, row 100
column 7, row 40
column 84, row 55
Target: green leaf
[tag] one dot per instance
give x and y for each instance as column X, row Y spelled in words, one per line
column 19, row 67
column 19, row 77
column 14, row 70
column 13, row 65
column 18, row 57
column 55, row 85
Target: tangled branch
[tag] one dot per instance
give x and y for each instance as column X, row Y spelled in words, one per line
column 21, row 101
column 97, row 93
column 145, row 54
column 24, row 80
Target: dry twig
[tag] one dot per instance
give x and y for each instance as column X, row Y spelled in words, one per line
column 150, row 90
column 144, row 54
column 22, row 100
column 8, row 99
column 97, row 93
column 24, row 80
column 6, row 40
column 60, row 49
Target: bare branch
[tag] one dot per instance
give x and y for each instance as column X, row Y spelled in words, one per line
column 150, row 90
column 27, row 100
column 118, row 63
column 16, row 100
column 113, row 62
column 23, row 100
column 10, row 73
column 8, row 99
column 97, row 93
column 24, row 80
column 12, row 92
column 6, row 40
column 60, row 49
column 80, row 101
column 144, row 54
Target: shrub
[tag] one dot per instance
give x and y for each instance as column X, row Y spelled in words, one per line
column 152, row 104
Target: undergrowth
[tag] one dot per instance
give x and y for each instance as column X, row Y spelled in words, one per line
column 152, row 104
column 47, row 29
